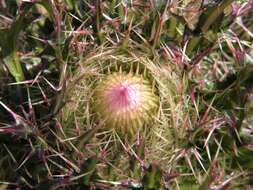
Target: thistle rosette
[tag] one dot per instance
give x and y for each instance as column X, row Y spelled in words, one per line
column 125, row 101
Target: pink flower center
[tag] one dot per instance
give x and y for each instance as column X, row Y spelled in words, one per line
column 123, row 97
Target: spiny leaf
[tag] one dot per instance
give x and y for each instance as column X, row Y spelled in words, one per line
column 8, row 42
column 205, row 185
column 152, row 178
column 134, row 163
column 86, row 137
column 49, row 185
column 210, row 19
column 244, row 158
column 87, row 170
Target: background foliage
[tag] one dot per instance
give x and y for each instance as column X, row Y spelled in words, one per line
column 206, row 44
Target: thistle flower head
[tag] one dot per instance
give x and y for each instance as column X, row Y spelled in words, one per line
column 125, row 101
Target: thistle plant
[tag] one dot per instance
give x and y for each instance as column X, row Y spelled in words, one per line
column 126, row 94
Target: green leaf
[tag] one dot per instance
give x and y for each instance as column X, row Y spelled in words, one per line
column 48, row 7
column 188, row 187
column 9, row 40
column 48, row 184
column 70, row 4
column 210, row 19
column 134, row 164
column 87, row 170
column 244, row 159
column 86, row 137
column 205, row 185
column 8, row 43
column 152, row 178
